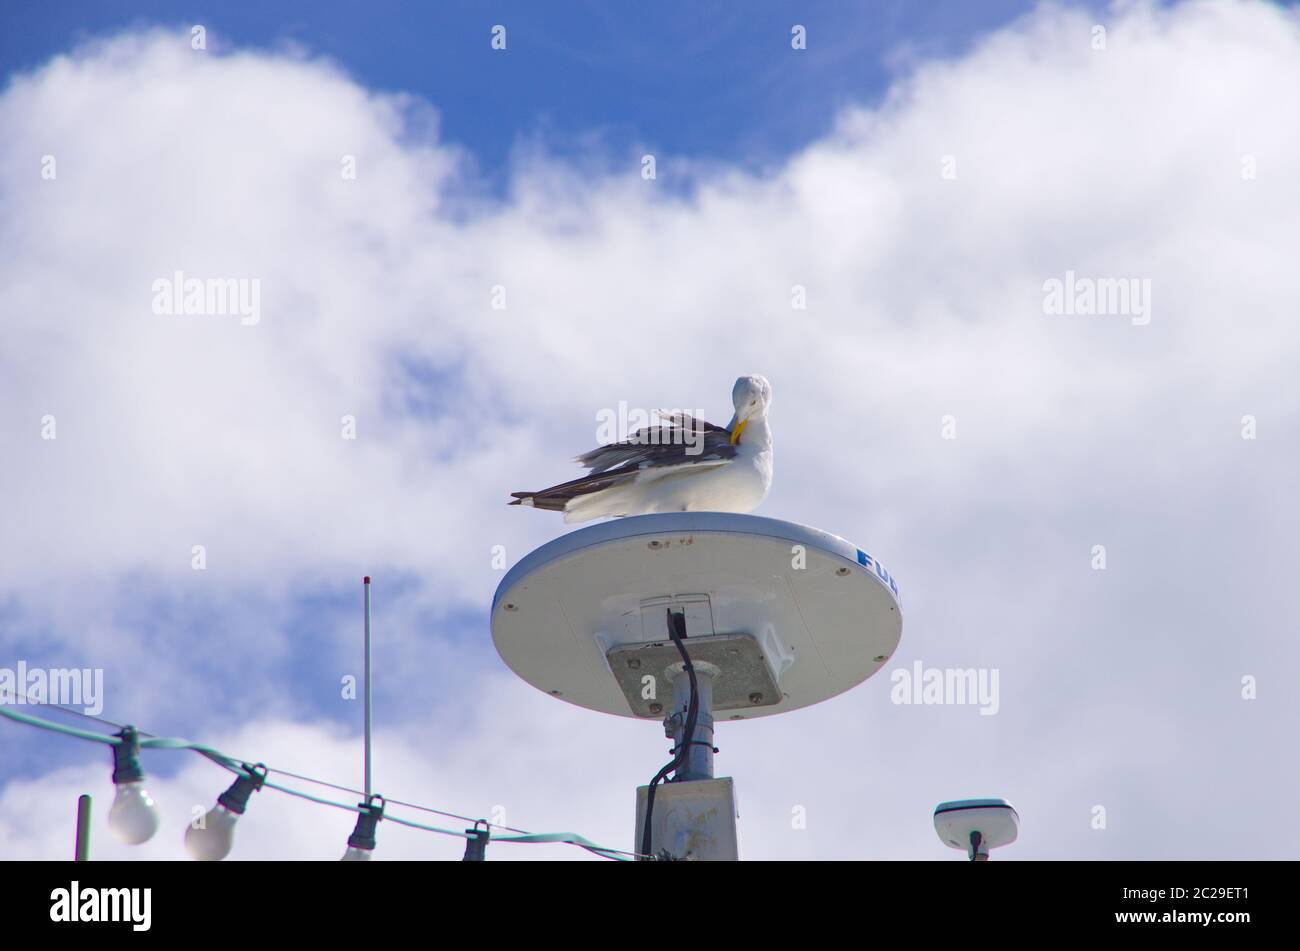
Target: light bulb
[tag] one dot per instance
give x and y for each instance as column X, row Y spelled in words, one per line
column 356, row 855
column 133, row 817
column 212, row 839
column 212, row 842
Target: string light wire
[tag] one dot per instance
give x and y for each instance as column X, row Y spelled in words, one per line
column 150, row 741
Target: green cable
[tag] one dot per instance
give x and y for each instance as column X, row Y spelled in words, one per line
column 236, row 766
column 57, row 727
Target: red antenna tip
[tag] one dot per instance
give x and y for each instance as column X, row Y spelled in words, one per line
column 367, row 579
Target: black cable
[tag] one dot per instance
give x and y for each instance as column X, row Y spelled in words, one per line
column 676, row 631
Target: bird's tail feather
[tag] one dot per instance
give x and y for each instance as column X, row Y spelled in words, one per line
column 558, row 497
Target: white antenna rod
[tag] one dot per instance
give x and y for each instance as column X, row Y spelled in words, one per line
column 367, row 783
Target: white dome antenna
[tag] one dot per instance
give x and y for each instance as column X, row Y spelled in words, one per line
column 976, row 825
column 771, row 616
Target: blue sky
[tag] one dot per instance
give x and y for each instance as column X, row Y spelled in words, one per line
column 704, row 80
column 926, row 300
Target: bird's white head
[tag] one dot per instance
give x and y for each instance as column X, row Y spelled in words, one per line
column 751, row 396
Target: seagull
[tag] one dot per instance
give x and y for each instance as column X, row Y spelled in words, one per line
column 682, row 465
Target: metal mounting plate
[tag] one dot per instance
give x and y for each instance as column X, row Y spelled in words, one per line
column 744, row 672
column 694, row 821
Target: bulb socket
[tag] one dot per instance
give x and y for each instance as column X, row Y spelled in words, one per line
column 476, row 842
column 126, row 757
column 235, row 798
column 363, row 836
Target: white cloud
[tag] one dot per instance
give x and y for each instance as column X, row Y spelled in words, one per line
column 925, row 299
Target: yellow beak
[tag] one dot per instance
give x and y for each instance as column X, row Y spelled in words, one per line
column 739, row 428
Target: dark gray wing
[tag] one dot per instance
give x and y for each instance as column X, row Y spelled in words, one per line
column 680, row 439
